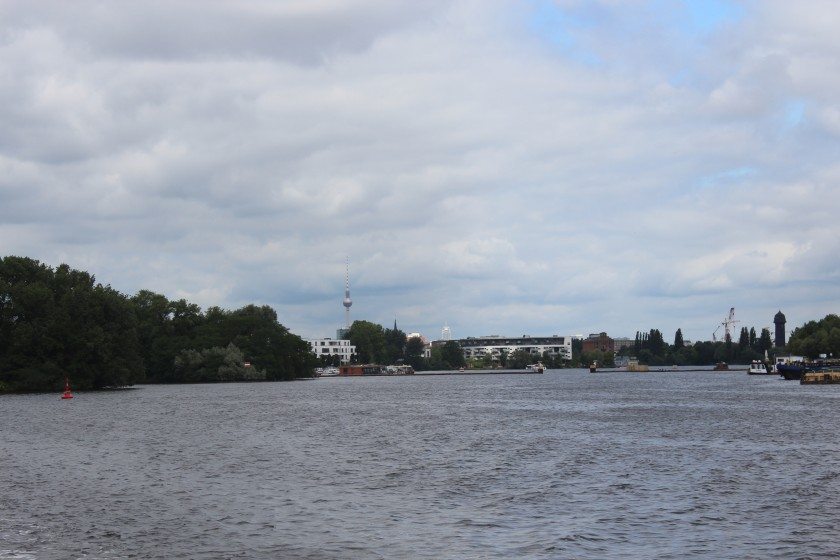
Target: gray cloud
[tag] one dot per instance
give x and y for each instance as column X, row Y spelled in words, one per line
column 638, row 175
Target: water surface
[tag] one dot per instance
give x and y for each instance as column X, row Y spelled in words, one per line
column 562, row 465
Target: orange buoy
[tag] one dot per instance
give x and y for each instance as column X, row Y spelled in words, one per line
column 67, row 394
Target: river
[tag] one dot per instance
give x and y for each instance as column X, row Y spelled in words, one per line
column 562, row 465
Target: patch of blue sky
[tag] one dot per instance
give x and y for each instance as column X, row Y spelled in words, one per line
column 554, row 26
column 728, row 177
column 706, row 16
column 794, row 112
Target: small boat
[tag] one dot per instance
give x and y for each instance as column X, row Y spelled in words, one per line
column 759, row 368
column 721, row 366
column 66, row 394
column 593, row 367
column 329, row 372
column 535, row 368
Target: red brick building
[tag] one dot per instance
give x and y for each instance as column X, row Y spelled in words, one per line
column 599, row 342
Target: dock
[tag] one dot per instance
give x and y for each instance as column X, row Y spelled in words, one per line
column 481, row 372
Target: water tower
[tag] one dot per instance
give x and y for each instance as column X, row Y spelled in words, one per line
column 780, row 321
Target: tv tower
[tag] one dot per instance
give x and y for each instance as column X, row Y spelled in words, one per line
column 347, row 301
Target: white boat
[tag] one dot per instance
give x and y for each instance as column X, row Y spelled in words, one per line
column 536, row 368
column 759, row 368
column 329, row 372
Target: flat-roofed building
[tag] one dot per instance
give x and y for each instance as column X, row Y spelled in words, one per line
column 329, row 347
column 600, row 342
column 494, row 345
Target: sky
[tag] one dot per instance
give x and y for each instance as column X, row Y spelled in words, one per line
column 504, row 167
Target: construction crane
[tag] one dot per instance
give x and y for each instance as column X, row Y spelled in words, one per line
column 714, row 334
column 728, row 323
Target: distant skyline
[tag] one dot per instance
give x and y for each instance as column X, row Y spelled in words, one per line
column 505, row 167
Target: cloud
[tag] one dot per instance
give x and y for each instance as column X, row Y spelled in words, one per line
column 548, row 167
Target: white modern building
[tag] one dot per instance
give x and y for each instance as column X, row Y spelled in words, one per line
column 494, row 345
column 330, row 347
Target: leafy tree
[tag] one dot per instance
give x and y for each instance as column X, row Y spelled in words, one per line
column 414, row 351
column 817, row 337
column 764, row 342
column 744, row 339
column 394, row 346
column 369, row 340
column 678, row 340
column 452, row 355
column 57, row 323
column 753, row 338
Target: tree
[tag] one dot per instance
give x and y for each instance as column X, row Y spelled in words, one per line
column 744, row 339
column 753, row 338
column 369, row 340
column 414, row 351
column 678, row 340
column 655, row 342
column 394, row 345
column 452, row 355
column 764, row 342
column 57, row 323
column 817, row 337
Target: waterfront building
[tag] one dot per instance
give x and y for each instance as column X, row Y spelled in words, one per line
column 623, row 342
column 599, row 342
column 329, row 347
column 494, row 345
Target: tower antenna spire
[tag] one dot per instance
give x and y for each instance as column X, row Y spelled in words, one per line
column 347, row 301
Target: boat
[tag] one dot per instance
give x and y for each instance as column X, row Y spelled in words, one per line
column 796, row 370
column 758, row 367
column 593, row 367
column 721, row 366
column 820, row 377
column 791, row 371
column 66, row 394
column 535, row 368
column 329, row 372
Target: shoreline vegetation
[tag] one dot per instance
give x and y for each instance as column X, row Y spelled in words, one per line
column 58, row 323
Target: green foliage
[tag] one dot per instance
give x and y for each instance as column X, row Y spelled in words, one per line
column 817, row 337
column 414, row 352
column 369, row 340
column 678, row 340
column 452, row 355
column 765, row 343
column 57, row 323
column 744, row 339
column 215, row 364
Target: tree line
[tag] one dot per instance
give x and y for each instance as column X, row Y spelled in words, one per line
column 59, row 322
column 815, row 338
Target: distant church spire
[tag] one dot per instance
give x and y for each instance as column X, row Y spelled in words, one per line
column 347, row 301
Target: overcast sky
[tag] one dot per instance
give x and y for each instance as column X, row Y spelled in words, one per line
column 532, row 167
